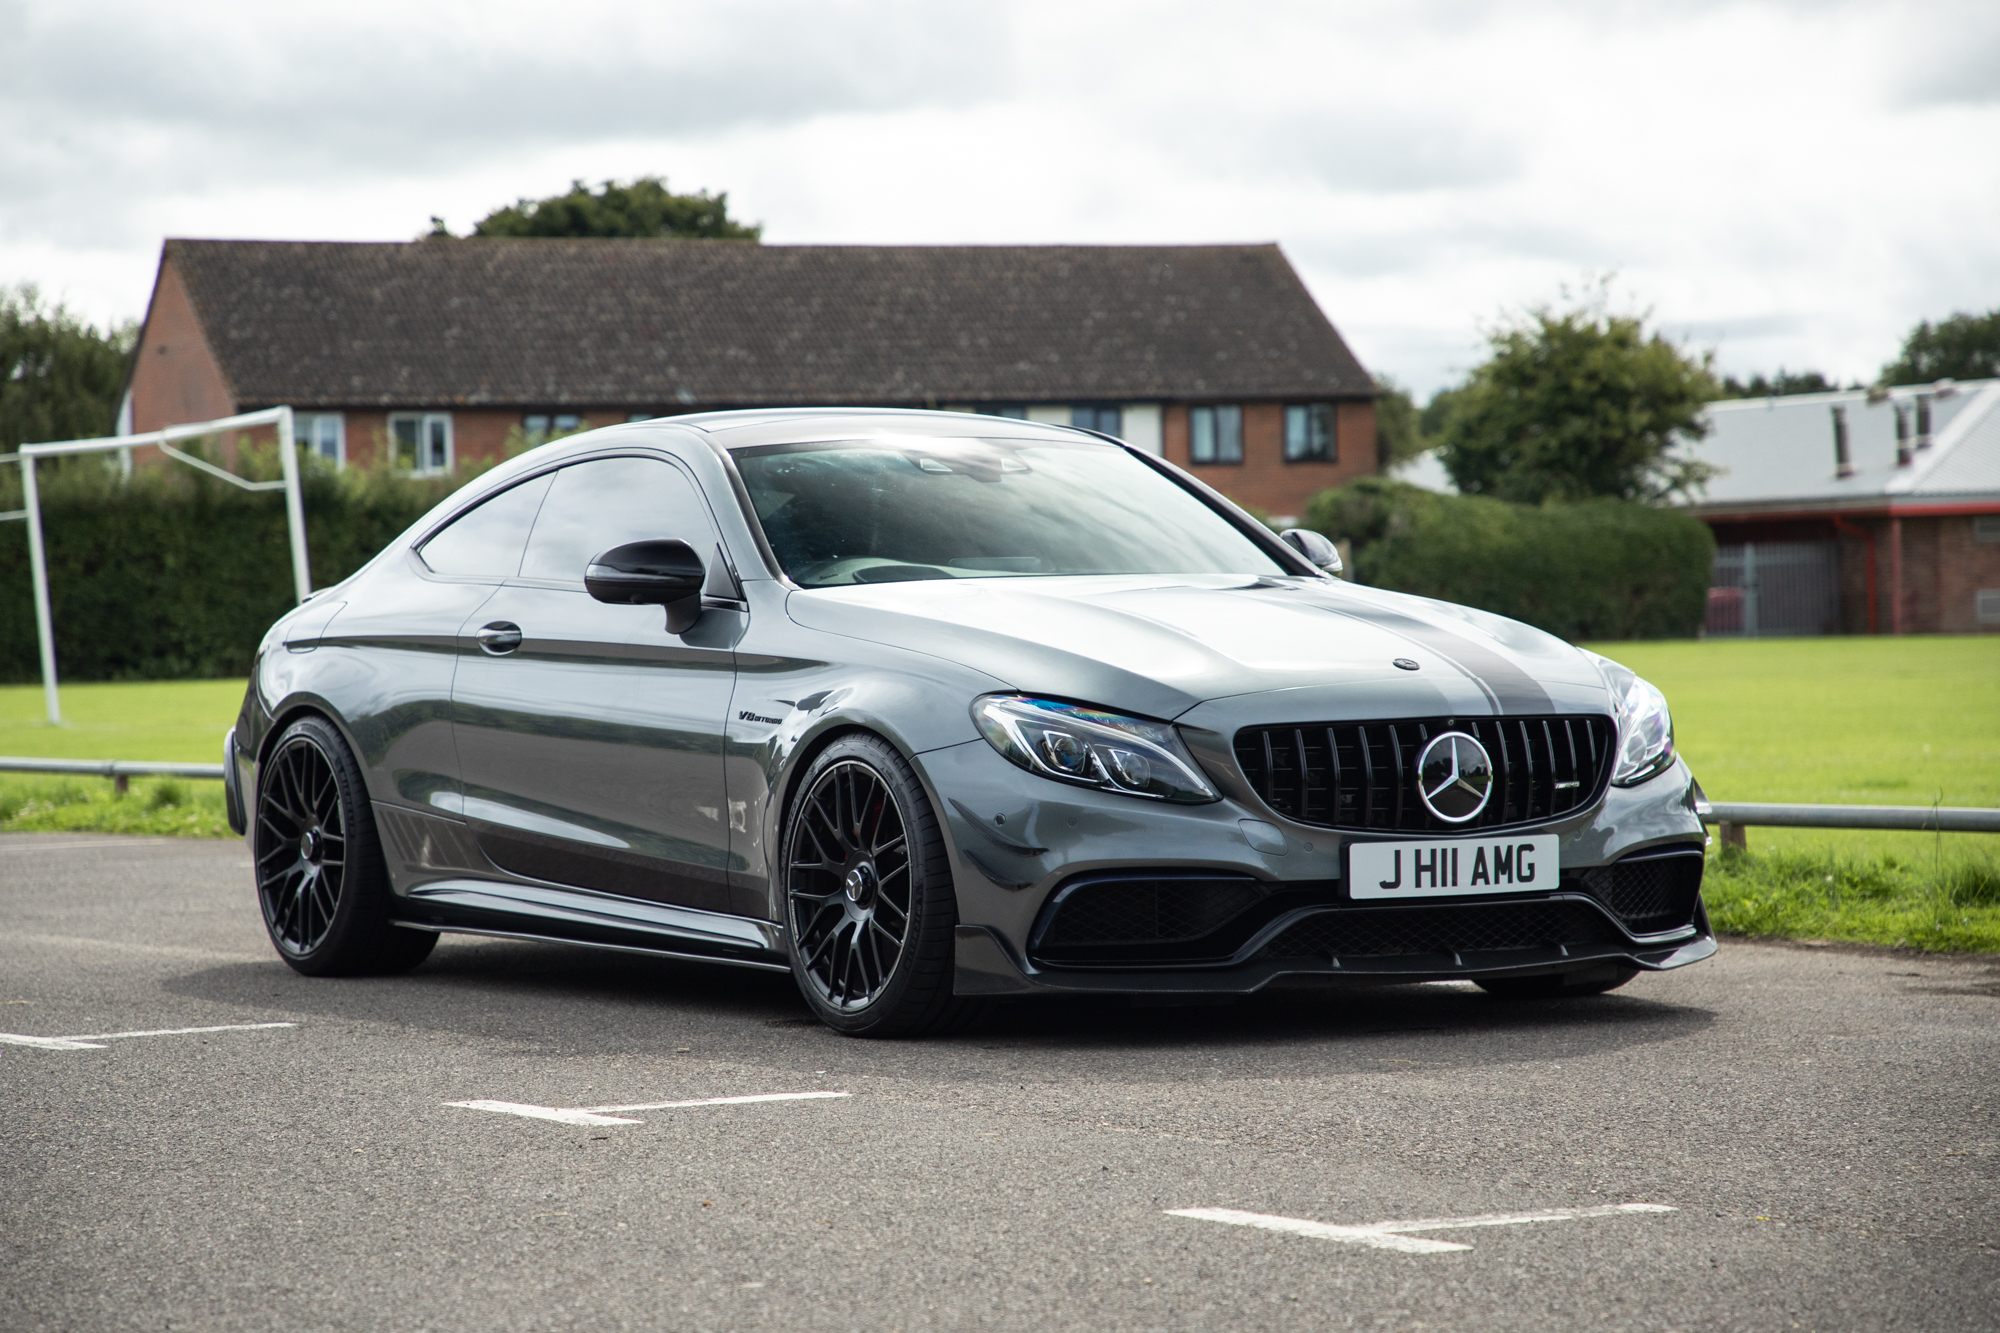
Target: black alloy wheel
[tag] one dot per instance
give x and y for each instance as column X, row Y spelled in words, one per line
column 870, row 904
column 1560, row 985
column 320, row 876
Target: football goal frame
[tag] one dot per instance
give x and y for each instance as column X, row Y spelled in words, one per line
column 31, row 510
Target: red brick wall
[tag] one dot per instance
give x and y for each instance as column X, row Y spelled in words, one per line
column 175, row 377
column 1963, row 565
column 1264, row 479
column 1944, row 567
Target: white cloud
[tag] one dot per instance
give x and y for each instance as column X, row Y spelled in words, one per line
column 1797, row 183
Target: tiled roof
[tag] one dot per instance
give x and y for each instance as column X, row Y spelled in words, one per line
column 651, row 324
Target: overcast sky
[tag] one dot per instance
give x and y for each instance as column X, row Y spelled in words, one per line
column 1793, row 184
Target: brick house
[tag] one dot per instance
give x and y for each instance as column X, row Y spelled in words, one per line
column 1856, row 513
column 426, row 354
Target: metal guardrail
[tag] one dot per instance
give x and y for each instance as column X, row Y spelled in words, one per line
column 120, row 771
column 1917, row 818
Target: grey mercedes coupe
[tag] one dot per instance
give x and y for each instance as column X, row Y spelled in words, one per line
column 926, row 708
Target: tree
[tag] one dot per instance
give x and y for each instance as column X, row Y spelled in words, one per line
column 60, row 379
column 1399, row 436
column 643, row 208
column 1777, row 386
column 1964, row 347
column 1578, row 403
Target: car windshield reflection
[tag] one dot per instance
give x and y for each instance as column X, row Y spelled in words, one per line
column 872, row 511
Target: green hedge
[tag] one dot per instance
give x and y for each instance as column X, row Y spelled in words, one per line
column 1601, row 569
column 175, row 575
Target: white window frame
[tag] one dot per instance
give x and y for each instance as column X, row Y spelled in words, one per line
column 425, row 422
column 307, row 431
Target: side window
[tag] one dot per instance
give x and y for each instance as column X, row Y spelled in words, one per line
column 607, row 502
column 486, row 542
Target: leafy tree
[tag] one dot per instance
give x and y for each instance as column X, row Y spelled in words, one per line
column 643, row 208
column 1578, row 403
column 1778, row 385
column 1964, row 347
column 60, row 379
column 1399, row 435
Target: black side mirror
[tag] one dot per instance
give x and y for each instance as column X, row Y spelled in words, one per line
column 1314, row 547
column 654, row 573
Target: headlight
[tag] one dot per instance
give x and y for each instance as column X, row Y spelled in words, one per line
column 1645, row 727
column 1092, row 748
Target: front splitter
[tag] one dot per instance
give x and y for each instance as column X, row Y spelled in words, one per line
column 985, row 965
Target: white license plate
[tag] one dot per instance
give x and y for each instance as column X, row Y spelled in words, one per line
column 1460, row 866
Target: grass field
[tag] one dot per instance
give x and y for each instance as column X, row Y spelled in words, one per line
column 159, row 720
column 1863, row 721
column 1849, row 721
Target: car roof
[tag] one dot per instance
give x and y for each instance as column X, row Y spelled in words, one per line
column 736, row 430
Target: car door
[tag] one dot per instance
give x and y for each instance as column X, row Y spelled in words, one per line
column 589, row 738
column 396, row 644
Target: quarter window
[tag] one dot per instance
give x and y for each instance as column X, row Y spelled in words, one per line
column 1215, row 434
column 1309, row 433
column 486, row 542
column 321, row 433
column 421, row 442
column 607, row 502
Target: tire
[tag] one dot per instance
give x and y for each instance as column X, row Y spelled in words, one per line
column 321, row 880
column 869, row 904
column 1560, row 985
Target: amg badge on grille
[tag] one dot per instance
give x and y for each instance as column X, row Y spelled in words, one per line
column 1454, row 777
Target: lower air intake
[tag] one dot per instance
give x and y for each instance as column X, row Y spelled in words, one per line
column 1383, row 931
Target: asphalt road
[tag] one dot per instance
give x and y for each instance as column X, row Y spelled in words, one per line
column 1823, row 1124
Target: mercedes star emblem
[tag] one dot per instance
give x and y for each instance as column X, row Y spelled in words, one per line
column 1454, row 777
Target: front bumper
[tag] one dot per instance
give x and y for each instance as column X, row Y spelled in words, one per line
column 1020, row 842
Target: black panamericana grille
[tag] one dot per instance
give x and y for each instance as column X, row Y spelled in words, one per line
column 1650, row 892
column 1376, row 932
column 1362, row 775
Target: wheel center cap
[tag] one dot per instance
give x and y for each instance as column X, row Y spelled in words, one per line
column 310, row 845
column 860, row 885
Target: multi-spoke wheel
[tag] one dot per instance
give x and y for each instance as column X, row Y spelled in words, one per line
column 871, row 907
column 320, row 877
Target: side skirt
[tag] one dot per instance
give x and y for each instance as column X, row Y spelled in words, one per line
column 560, row 915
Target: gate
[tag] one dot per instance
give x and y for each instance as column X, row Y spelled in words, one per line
column 1770, row 588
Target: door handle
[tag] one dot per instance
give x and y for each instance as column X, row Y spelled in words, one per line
column 499, row 638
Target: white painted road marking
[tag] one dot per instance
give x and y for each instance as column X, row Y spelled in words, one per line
column 608, row 1115
column 95, row 1041
column 1391, row 1235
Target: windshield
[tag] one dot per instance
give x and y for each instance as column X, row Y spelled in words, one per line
column 883, row 511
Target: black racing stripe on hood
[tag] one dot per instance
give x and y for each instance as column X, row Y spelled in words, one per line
column 1510, row 688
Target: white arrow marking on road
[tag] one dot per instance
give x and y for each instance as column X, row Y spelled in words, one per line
column 1390, row 1235
column 607, row 1115
column 95, row 1041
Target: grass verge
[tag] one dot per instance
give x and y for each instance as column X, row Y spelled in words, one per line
column 1940, row 903
column 160, row 806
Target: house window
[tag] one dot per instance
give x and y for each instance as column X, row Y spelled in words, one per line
column 1309, row 433
column 1986, row 528
column 1986, row 604
column 322, row 433
column 1096, row 417
column 1018, row 411
column 1215, row 434
column 540, row 426
column 421, row 442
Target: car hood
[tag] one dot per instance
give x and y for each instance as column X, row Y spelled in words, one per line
column 1161, row 645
